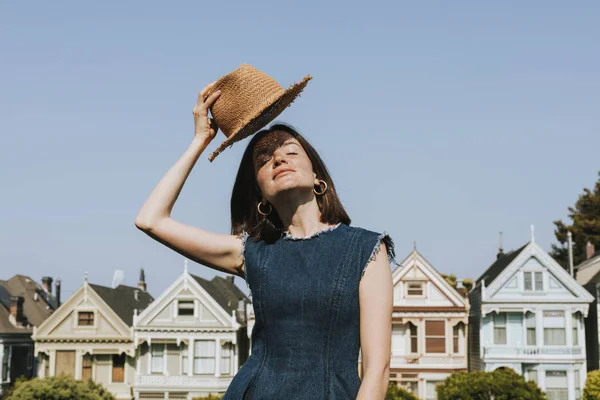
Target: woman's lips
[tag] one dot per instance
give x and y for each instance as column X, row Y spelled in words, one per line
column 281, row 172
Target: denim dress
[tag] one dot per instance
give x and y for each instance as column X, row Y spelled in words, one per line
column 306, row 337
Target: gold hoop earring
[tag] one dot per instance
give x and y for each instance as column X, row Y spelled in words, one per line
column 261, row 212
column 321, row 182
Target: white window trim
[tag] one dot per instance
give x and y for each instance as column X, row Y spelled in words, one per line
column 534, row 289
column 493, row 322
column 415, row 296
column 76, row 319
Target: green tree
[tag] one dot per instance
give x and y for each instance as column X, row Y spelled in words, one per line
column 499, row 385
column 592, row 386
column 585, row 227
column 58, row 388
column 395, row 392
column 453, row 281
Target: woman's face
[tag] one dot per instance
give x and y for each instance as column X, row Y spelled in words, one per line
column 281, row 164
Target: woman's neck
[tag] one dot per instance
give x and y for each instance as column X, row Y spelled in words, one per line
column 300, row 217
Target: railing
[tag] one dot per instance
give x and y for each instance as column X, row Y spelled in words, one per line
column 183, row 380
column 522, row 351
column 429, row 361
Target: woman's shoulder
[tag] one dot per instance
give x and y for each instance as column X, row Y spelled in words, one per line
column 374, row 239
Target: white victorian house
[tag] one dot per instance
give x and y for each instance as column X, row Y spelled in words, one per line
column 527, row 314
column 191, row 340
column 429, row 327
column 90, row 336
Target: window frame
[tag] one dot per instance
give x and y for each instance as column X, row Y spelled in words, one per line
column 187, row 308
column 495, row 316
column 533, row 281
column 422, row 285
column 436, row 336
column 79, row 319
column 162, row 357
column 197, row 356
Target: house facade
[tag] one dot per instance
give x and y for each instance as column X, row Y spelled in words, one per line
column 429, row 327
column 24, row 304
column 90, row 337
column 192, row 340
column 527, row 314
column 588, row 275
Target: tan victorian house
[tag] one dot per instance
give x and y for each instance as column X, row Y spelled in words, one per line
column 90, row 336
column 192, row 339
column 429, row 327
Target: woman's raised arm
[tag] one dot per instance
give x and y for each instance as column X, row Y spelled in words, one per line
column 219, row 251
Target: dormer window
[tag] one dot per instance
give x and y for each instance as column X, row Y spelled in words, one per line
column 415, row 289
column 534, row 281
column 185, row 308
column 85, row 318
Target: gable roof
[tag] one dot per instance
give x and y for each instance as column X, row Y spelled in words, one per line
column 122, row 300
column 498, row 266
column 588, row 270
column 223, row 290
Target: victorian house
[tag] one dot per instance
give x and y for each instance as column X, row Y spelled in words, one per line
column 192, row 339
column 527, row 314
column 24, row 304
column 429, row 327
column 588, row 275
column 90, row 336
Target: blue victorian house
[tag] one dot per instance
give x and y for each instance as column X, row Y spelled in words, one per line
column 527, row 314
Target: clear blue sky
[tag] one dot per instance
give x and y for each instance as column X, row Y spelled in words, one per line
column 441, row 122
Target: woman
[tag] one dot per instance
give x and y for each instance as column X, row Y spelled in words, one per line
column 321, row 289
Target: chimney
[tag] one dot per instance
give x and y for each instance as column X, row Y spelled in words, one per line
column 57, row 293
column 47, row 284
column 16, row 316
column 241, row 310
column 589, row 250
column 142, row 283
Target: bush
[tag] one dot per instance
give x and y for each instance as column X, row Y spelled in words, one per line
column 58, row 388
column 502, row 384
column 395, row 392
column 592, row 386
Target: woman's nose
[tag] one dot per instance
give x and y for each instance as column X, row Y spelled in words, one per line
column 279, row 159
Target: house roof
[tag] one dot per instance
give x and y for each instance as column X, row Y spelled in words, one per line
column 498, row 266
column 223, row 290
column 589, row 270
column 122, row 300
column 37, row 305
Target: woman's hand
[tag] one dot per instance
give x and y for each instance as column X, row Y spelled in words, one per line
column 205, row 127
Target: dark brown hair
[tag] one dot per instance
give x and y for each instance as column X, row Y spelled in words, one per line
column 246, row 193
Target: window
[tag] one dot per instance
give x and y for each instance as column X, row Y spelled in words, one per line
column 86, row 367
column 456, row 331
column 157, row 354
column 118, row 372
column 533, row 375
column 414, row 289
column 554, row 328
column 85, row 318
column 414, row 338
column 184, row 359
column 533, row 281
column 204, row 357
column 556, row 385
column 435, row 337
column 411, row 386
column 185, row 308
column 5, row 364
column 530, row 324
column 226, row 350
column 499, row 320
column 575, row 330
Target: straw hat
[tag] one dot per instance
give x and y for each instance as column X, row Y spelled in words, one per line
column 249, row 100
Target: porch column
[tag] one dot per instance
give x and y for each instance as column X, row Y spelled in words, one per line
column 138, row 361
column 191, row 356
column 2, row 345
column 52, row 361
column 218, row 357
column 539, row 328
column 571, row 384
column 78, row 362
